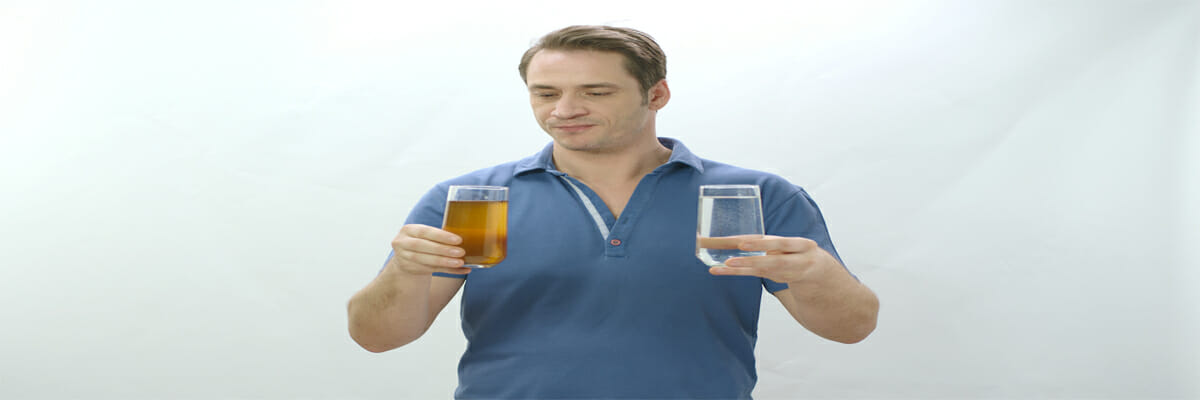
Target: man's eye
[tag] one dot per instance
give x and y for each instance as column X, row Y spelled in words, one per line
column 599, row 93
column 543, row 95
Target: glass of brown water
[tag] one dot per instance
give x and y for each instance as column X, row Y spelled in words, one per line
column 479, row 214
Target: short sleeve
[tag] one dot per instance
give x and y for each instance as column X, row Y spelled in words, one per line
column 797, row 215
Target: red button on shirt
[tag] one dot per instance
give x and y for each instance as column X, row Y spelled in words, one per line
column 615, row 242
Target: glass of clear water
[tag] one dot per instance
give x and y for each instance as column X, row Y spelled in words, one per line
column 728, row 215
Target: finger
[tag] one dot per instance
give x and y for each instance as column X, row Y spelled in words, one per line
column 779, row 244
column 425, row 264
column 735, row 271
column 434, row 261
column 427, row 240
column 430, row 233
column 724, row 242
column 406, row 244
column 454, row 271
column 719, row 243
column 758, row 262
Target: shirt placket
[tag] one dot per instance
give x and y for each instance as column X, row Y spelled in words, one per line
column 614, row 230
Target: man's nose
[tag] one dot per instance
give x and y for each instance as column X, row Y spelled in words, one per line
column 568, row 107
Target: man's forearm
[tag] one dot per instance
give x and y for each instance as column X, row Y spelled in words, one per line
column 834, row 305
column 391, row 311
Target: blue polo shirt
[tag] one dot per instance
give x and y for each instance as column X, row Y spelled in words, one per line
column 590, row 306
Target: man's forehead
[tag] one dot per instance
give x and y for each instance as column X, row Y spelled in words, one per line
column 588, row 66
column 551, row 53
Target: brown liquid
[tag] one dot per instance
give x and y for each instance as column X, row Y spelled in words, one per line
column 483, row 226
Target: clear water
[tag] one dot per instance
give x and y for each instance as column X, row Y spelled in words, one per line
column 713, row 257
column 727, row 216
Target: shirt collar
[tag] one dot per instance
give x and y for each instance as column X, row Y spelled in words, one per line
column 544, row 160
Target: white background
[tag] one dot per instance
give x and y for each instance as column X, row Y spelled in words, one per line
column 193, row 190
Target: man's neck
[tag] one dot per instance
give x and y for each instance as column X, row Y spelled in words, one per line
column 612, row 168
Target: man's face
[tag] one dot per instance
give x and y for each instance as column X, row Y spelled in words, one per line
column 587, row 101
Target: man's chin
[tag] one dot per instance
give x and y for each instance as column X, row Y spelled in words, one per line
column 574, row 143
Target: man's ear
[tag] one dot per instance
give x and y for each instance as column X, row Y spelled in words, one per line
column 658, row 95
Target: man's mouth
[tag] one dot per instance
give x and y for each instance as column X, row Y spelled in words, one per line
column 572, row 127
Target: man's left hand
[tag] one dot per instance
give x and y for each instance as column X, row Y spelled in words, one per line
column 788, row 260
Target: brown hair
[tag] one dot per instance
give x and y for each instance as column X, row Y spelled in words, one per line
column 643, row 58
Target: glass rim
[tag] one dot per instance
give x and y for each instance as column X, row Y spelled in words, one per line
column 731, row 186
column 479, row 187
column 729, row 190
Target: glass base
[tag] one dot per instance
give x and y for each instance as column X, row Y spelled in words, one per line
column 716, row 258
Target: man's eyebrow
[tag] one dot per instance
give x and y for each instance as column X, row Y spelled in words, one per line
column 602, row 85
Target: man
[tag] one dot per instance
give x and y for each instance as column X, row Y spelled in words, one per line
column 601, row 295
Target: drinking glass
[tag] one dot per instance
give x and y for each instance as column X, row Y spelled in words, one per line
column 728, row 215
column 479, row 214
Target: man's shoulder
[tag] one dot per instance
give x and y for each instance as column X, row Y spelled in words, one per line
column 716, row 170
column 776, row 190
column 495, row 175
column 503, row 174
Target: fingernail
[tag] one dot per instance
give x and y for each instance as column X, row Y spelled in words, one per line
column 734, row 263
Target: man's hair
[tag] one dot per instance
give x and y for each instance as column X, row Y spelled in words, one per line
column 643, row 58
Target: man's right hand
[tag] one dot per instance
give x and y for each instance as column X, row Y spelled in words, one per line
column 423, row 250
column 400, row 304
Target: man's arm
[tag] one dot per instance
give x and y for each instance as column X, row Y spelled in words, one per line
column 400, row 304
column 821, row 295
